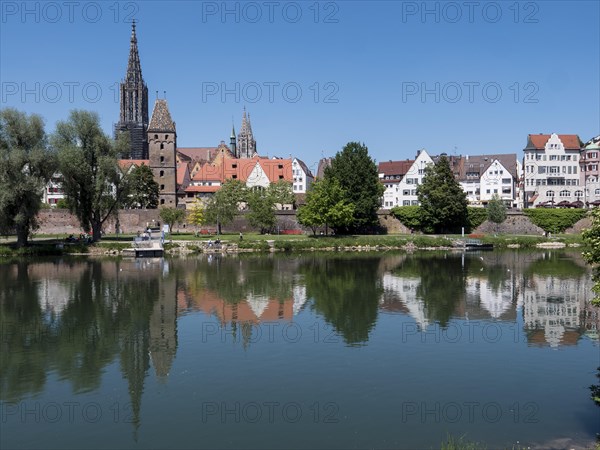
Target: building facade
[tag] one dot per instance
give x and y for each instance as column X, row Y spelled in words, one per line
column 552, row 170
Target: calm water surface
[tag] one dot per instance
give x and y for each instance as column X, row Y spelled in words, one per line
column 335, row 351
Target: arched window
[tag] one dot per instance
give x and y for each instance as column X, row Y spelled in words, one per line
column 565, row 193
column 162, row 201
column 162, row 145
column 549, row 193
column 162, row 187
column 162, row 173
column 578, row 194
column 156, row 136
column 162, row 158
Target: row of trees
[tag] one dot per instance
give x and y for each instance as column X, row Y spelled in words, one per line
column 85, row 156
column 225, row 204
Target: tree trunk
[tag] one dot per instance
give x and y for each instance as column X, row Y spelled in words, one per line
column 22, row 235
column 96, row 231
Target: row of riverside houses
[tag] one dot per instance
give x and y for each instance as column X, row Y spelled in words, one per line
column 556, row 171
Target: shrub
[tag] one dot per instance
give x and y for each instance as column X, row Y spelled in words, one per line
column 476, row 216
column 410, row 216
column 555, row 220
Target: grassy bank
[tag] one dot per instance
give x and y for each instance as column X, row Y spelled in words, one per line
column 289, row 243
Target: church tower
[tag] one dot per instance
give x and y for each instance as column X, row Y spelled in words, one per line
column 162, row 147
column 134, row 103
column 232, row 143
column 246, row 145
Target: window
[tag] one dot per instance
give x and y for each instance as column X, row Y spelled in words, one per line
column 162, row 158
column 578, row 194
column 406, row 203
column 406, row 192
column 162, row 145
column 166, row 136
column 162, row 201
column 162, row 173
column 549, row 193
column 565, row 193
column 280, row 166
column 234, row 166
column 597, row 192
column 234, row 177
column 281, row 177
column 156, row 136
column 506, row 180
column 162, row 187
column 414, row 203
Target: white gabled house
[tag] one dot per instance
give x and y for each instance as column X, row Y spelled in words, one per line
column 302, row 176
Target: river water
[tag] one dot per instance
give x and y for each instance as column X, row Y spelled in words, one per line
column 299, row 351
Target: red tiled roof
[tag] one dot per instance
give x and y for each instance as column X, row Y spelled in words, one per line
column 538, row 141
column 198, row 153
column 182, row 170
column 395, row 167
column 241, row 169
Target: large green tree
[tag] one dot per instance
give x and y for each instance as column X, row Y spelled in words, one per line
column 26, row 166
column 443, row 201
column 224, row 205
column 143, row 190
column 262, row 210
column 326, row 205
column 93, row 185
column 357, row 175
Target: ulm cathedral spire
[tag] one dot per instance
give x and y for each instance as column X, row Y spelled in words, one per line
column 134, row 103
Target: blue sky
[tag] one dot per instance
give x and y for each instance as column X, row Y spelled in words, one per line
column 455, row 77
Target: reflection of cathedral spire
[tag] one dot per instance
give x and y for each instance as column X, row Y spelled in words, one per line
column 163, row 329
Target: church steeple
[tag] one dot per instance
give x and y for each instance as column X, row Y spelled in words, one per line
column 134, row 68
column 134, row 103
column 232, row 142
column 246, row 142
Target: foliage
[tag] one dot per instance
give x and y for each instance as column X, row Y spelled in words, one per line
column 591, row 237
column 281, row 193
column 496, row 210
column 92, row 182
column 223, row 206
column 595, row 389
column 476, row 216
column 142, row 188
column 262, row 213
column 326, row 205
column 410, row 216
column 555, row 220
column 197, row 216
column 171, row 216
column 443, row 201
column 62, row 204
column 26, row 166
column 357, row 175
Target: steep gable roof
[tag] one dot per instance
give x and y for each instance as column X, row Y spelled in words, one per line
column 480, row 163
column 204, row 154
column 538, row 141
column 125, row 164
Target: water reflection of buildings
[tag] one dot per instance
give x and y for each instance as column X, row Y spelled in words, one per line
column 553, row 309
column 556, row 308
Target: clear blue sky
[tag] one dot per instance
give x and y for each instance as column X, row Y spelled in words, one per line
column 373, row 58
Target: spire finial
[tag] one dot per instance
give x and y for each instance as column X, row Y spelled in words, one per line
column 133, row 36
column 165, row 94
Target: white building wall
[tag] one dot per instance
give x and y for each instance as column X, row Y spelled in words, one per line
column 553, row 173
column 407, row 188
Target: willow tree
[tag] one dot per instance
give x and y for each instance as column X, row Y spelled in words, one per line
column 26, row 166
column 94, row 186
